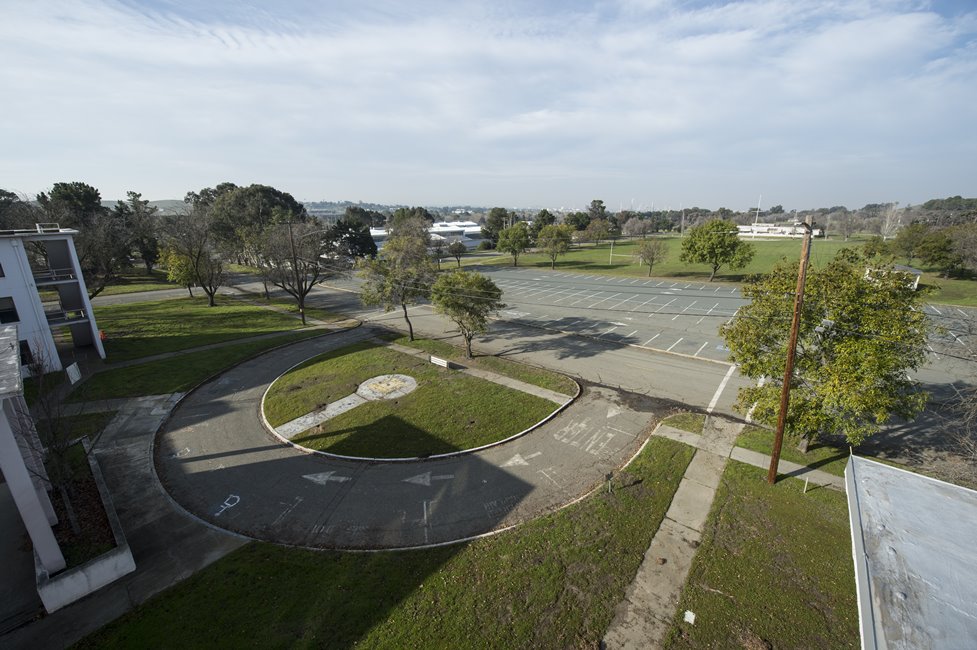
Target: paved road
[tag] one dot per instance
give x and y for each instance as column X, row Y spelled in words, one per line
column 218, row 462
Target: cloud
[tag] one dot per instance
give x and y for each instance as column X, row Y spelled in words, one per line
column 537, row 103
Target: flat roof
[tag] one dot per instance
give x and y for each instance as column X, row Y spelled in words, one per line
column 10, row 381
column 914, row 542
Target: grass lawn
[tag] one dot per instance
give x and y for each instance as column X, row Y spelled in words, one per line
column 822, row 456
column 691, row 422
column 142, row 329
column 289, row 304
column 550, row 583
column 774, row 566
column 548, row 379
column 136, row 280
column 448, row 410
column 179, row 373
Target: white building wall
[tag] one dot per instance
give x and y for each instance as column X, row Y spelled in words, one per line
column 18, row 283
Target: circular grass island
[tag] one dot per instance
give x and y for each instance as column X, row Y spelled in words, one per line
column 370, row 401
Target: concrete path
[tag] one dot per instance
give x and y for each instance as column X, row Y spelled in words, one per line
column 644, row 616
column 167, row 545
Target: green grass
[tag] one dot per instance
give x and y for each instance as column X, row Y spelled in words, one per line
column 819, row 455
column 137, row 280
column 691, row 422
column 146, row 328
column 551, row 583
column 774, row 565
column 289, row 305
column 547, row 379
column 176, row 374
column 595, row 260
column 448, row 410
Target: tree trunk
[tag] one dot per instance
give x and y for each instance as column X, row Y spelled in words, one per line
column 458, row 259
column 149, row 267
column 301, row 301
column 468, row 346
column 190, row 289
column 515, row 260
column 410, row 327
column 713, row 274
column 649, row 270
column 264, row 283
column 69, row 509
column 552, row 263
column 210, row 298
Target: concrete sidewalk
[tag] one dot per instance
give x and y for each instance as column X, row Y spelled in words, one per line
column 168, row 545
column 644, row 616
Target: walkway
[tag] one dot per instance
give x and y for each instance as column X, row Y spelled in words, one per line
column 645, row 615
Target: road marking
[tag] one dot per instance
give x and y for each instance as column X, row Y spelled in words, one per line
column 612, row 411
column 325, row 477
column 717, row 289
column 633, row 281
column 231, row 501
column 289, row 507
column 519, row 460
column 700, row 349
column 689, row 306
column 719, row 391
column 652, row 338
column 632, row 333
column 663, row 306
column 707, row 313
column 936, row 310
column 604, row 300
column 593, row 295
column 962, row 312
column 608, row 331
column 543, row 472
column 616, row 305
column 426, row 478
column 681, row 338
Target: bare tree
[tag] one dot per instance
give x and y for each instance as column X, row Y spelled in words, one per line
column 290, row 259
column 189, row 234
column 890, row 221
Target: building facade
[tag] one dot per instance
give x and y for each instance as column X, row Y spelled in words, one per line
column 43, row 292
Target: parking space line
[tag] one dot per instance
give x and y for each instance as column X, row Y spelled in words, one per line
column 593, row 295
column 652, row 338
column 622, row 302
column 632, row 333
column 663, row 307
column 700, row 349
column 686, row 309
column 682, row 338
column 604, row 300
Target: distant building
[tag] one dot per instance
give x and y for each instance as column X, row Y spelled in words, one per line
column 467, row 232
column 42, row 290
column 794, row 230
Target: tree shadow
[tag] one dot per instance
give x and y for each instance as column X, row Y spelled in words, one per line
column 587, row 337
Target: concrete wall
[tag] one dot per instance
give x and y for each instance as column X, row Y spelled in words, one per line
column 18, row 283
column 76, row 583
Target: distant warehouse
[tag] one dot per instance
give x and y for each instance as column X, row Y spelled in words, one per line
column 793, row 230
column 468, row 233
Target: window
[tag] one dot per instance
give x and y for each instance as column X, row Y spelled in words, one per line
column 26, row 356
column 8, row 313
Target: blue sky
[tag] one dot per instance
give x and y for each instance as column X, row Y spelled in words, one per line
column 637, row 102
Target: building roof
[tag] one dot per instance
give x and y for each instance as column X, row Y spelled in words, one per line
column 39, row 231
column 10, row 381
column 913, row 541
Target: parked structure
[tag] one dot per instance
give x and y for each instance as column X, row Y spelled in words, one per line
column 42, row 290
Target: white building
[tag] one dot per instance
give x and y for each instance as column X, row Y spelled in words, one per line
column 794, row 230
column 42, row 290
column 467, row 232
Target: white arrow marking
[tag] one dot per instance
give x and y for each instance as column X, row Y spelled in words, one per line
column 612, row 411
column 426, row 478
column 325, row 477
column 519, row 460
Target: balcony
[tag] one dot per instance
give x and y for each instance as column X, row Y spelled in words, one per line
column 46, row 277
column 56, row 316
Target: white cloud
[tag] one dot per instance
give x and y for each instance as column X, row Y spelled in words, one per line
column 507, row 103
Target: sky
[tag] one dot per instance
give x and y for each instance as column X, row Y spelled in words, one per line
column 641, row 103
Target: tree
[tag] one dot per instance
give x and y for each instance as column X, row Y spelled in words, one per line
column 368, row 218
column 890, row 221
column 554, row 241
column 403, row 273
column 636, row 226
column 716, row 243
column 468, row 299
column 179, row 270
column 578, row 220
column 498, row 219
column 456, row 249
column 845, row 222
column 514, row 240
column 598, row 230
column 402, row 215
column 543, row 218
column 140, row 223
column 908, row 240
column 859, row 335
column 290, row 258
column 348, row 239
column 651, row 251
column 17, row 213
column 241, row 214
column 437, row 250
column 876, row 247
column 596, row 210
column 189, row 234
column 965, row 244
column 938, row 250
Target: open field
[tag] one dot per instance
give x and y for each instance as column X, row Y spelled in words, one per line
column 597, row 260
column 143, row 329
column 550, row 583
column 448, row 411
column 774, row 569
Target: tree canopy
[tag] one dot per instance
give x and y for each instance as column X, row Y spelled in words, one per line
column 554, row 240
column 468, row 299
column 717, row 244
column 860, row 333
column 514, row 240
column 651, row 252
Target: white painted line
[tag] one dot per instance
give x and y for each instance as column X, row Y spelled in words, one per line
column 719, row 391
column 633, row 281
column 663, row 306
column 632, row 333
column 604, row 300
column 962, row 312
column 674, row 344
column 717, row 289
column 615, row 306
column 608, row 331
column 936, row 310
column 652, row 338
column 426, row 478
column 700, row 349
column 660, row 283
column 592, row 295
column 325, row 477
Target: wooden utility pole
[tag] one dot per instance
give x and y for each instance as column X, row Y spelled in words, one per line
column 778, row 441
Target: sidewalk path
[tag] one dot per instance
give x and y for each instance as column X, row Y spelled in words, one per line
column 644, row 616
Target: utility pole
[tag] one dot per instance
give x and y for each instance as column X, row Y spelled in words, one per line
column 778, row 441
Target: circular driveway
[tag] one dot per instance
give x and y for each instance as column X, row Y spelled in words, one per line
column 218, row 462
